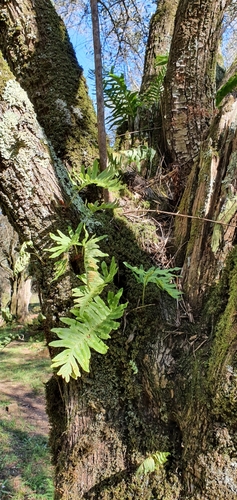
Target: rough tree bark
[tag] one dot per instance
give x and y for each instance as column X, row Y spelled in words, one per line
column 191, row 78
column 165, row 384
column 158, row 44
column 159, row 40
column 15, row 290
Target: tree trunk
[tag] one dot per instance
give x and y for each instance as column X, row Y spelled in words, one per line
column 36, row 45
column 23, row 298
column 99, row 85
column 165, row 384
column 159, row 40
column 189, row 95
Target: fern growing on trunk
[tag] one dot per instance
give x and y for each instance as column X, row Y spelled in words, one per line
column 94, row 318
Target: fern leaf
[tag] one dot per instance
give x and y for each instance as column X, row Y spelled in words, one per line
column 95, row 207
column 161, row 60
column 92, row 253
column 64, row 243
column 146, row 467
column 160, row 457
column 85, row 294
column 86, row 332
column 107, row 179
column 161, row 277
column 123, row 102
column 60, row 267
column 154, row 92
column 152, row 463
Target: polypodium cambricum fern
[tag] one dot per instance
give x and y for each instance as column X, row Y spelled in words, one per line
column 153, row 94
column 85, row 333
column 152, row 463
column 107, row 179
column 163, row 279
column 94, row 318
column 122, row 102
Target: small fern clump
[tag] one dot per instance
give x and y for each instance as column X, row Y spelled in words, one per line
column 135, row 156
column 122, row 102
column 153, row 94
column 163, row 279
column 152, row 463
column 94, row 317
column 107, row 179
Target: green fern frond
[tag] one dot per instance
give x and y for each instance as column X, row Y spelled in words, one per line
column 161, row 277
column 60, row 267
column 161, row 60
column 23, row 258
column 94, row 318
column 123, row 102
column 107, row 179
column 85, row 333
column 92, row 254
column 152, row 463
column 85, row 294
column 153, row 94
column 95, row 207
column 64, row 243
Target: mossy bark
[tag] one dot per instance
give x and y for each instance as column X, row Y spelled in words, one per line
column 166, row 384
column 35, row 43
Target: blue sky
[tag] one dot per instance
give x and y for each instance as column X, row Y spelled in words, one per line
column 83, row 47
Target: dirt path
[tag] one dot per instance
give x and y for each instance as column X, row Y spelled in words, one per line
column 22, row 400
column 25, row 469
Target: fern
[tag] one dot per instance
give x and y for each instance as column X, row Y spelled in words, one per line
column 95, row 207
column 94, row 319
column 65, row 243
column 153, row 94
column 85, row 333
column 161, row 277
column 84, row 294
column 63, row 246
column 107, row 179
column 152, row 463
column 123, row 102
column 92, row 253
column 135, row 155
column 23, row 258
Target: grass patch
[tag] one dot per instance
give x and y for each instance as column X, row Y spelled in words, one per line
column 25, row 469
column 24, row 464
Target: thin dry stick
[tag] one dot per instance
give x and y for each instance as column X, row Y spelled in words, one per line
column 177, row 214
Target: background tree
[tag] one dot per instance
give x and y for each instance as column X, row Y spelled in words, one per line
column 15, row 291
column 124, row 32
column 166, row 383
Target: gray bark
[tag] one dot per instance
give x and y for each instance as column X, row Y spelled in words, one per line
column 188, row 102
column 182, row 398
column 159, row 40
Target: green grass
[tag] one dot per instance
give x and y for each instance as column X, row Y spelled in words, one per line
column 25, row 469
column 24, row 464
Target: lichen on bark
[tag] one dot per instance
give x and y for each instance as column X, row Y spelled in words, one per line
column 33, row 33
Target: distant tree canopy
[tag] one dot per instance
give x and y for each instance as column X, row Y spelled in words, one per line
column 124, row 31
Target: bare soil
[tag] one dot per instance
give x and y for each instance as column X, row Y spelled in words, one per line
column 21, row 400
